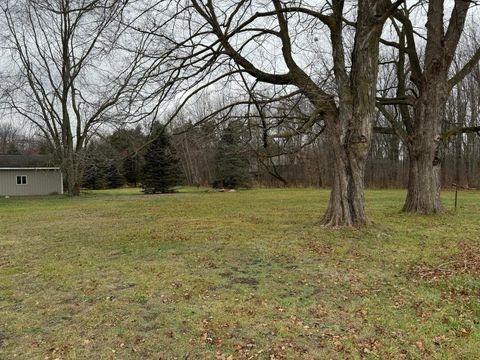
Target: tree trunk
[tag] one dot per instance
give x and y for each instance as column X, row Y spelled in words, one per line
column 346, row 206
column 73, row 176
column 425, row 143
column 433, row 88
column 394, row 156
column 459, row 179
column 351, row 132
column 73, row 184
column 423, row 194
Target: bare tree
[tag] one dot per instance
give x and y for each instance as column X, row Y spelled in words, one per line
column 236, row 41
column 9, row 135
column 68, row 72
column 425, row 80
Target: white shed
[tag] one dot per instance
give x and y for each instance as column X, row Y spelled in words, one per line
column 21, row 180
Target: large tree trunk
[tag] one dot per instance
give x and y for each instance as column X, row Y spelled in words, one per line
column 72, row 175
column 423, row 194
column 424, row 147
column 424, row 133
column 346, row 206
column 351, row 135
column 73, row 183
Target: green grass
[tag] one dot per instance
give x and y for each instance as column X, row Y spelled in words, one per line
column 197, row 275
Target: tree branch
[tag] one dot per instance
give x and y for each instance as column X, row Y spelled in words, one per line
column 465, row 70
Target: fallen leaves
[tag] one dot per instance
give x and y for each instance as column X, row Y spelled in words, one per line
column 420, row 344
column 466, row 261
column 439, row 340
column 319, row 249
column 368, row 346
column 220, row 356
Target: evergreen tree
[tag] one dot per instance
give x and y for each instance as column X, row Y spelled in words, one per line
column 231, row 164
column 132, row 167
column 128, row 143
column 102, row 167
column 113, row 176
column 94, row 175
column 162, row 169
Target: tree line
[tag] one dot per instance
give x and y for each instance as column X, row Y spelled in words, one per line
column 306, row 81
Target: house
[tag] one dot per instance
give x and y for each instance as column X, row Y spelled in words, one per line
column 26, row 175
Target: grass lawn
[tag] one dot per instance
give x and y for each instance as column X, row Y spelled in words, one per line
column 197, row 275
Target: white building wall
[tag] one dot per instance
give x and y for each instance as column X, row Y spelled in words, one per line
column 39, row 182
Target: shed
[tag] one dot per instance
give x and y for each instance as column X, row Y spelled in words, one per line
column 26, row 175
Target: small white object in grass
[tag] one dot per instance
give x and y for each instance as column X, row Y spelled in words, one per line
column 232, row 190
column 7, row 197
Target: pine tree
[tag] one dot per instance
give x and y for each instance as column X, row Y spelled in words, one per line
column 132, row 167
column 231, row 165
column 102, row 167
column 128, row 143
column 162, row 170
column 113, row 176
column 94, row 176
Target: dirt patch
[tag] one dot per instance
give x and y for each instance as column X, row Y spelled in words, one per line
column 245, row 281
column 466, row 261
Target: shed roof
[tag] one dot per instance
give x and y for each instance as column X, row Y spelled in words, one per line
column 29, row 168
column 25, row 161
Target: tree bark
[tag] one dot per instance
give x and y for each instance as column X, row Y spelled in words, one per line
column 425, row 144
column 346, row 206
column 72, row 175
column 423, row 194
column 424, row 148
